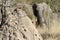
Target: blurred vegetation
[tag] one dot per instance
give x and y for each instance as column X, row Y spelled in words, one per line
column 54, row 4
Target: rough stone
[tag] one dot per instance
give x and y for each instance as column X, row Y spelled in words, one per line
column 29, row 11
column 18, row 26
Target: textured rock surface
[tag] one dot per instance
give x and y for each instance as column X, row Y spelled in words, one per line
column 18, row 26
column 28, row 9
column 18, row 23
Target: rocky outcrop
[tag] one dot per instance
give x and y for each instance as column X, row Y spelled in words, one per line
column 43, row 12
column 18, row 26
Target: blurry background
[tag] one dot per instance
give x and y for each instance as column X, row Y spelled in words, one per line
column 54, row 4
column 53, row 32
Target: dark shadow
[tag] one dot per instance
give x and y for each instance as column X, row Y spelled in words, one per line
column 3, row 17
column 36, row 13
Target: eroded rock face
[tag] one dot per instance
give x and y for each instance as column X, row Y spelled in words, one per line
column 18, row 26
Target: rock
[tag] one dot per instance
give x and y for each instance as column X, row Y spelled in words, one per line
column 42, row 12
column 18, row 26
column 29, row 11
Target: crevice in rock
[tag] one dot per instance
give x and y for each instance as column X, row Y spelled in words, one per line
column 36, row 13
column 35, row 34
column 3, row 12
column 25, row 30
column 24, row 36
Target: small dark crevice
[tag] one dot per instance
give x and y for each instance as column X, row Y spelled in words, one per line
column 20, row 8
column 12, row 13
column 9, row 37
column 25, row 30
column 7, row 24
column 15, row 23
column 3, row 12
column 14, row 33
column 24, row 36
column 15, row 10
column 35, row 34
column 32, row 22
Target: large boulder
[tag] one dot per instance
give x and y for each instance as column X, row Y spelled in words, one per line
column 18, row 26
